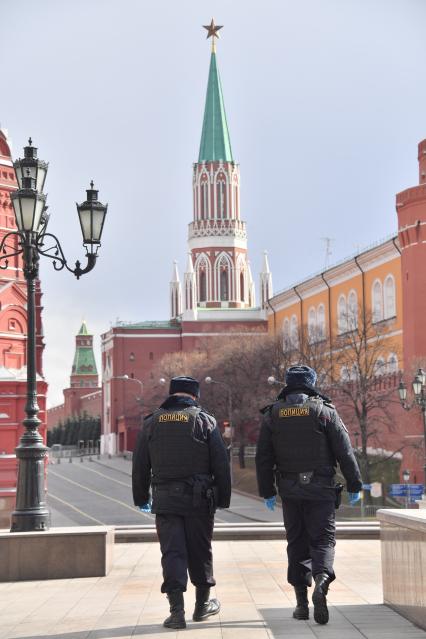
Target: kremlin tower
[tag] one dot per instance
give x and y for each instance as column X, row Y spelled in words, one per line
column 219, row 276
column 83, row 394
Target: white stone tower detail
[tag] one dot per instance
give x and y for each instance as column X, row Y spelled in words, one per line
column 190, row 287
column 266, row 291
column 175, row 293
column 251, row 287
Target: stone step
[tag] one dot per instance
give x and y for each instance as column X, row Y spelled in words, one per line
column 249, row 531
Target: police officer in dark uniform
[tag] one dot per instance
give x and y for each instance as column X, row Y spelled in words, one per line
column 301, row 439
column 180, row 459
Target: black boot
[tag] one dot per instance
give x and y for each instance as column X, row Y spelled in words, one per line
column 176, row 619
column 204, row 606
column 319, row 598
column 302, row 610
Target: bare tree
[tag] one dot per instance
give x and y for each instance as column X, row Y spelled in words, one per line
column 362, row 385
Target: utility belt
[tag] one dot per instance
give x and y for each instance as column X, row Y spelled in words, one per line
column 305, row 478
column 200, row 493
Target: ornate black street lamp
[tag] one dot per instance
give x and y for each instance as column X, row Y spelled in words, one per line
column 419, row 392
column 32, row 240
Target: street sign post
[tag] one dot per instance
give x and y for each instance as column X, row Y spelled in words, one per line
column 412, row 491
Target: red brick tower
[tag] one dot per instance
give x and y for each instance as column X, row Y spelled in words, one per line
column 411, row 209
column 84, row 375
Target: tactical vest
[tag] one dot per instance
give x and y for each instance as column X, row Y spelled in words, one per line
column 299, row 439
column 174, row 452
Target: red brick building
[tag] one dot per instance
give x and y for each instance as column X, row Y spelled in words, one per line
column 83, row 394
column 13, row 337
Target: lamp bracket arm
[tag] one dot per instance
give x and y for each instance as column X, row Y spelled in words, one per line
column 53, row 252
column 5, row 247
column 56, row 254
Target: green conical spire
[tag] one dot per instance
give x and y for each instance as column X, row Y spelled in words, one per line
column 83, row 329
column 215, row 143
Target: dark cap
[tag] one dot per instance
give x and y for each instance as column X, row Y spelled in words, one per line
column 300, row 375
column 184, row 385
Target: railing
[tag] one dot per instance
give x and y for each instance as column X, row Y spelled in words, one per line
column 68, row 452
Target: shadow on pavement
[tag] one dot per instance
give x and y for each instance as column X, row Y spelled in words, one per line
column 369, row 621
column 145, row 629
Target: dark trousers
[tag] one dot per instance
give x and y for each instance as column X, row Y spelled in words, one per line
column 310, row 530
column 185, row 543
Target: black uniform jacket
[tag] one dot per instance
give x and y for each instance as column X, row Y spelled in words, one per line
column 321, row 487
column 205, row 431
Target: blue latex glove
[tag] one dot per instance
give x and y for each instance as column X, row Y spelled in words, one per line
column 270, row 503
column 353, row 498
column 146, row 508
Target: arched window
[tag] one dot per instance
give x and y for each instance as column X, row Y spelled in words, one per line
column 392, row 364
column 223, row 271
column 342, row 315
column 344, row 374
column 294, row 332
column 224, row 288
column 204, row 203
column 389, row 295
column 286, row 334
column 379, row 366
column 202, row 269
column 377, row 304
column 354, row 374
column 321, row 322
column 203, row 286
column 312, row 324
column 242, row 286
column 352, row 311
column 221, row 196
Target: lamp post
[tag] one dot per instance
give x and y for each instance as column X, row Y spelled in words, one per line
column 419, row 399
column 31, row 240
column 131, row 379
column 209, row 380
column 406, row 478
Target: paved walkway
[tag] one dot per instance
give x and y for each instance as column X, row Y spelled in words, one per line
column 256, row 601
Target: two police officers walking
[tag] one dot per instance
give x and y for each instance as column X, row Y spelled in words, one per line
column 301, row 439
column 181, row 460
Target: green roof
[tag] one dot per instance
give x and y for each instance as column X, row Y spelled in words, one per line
column 84, row 361
column 148, row 324
column 215, row 143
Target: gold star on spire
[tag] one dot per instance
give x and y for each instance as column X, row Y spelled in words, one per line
column 212, row 32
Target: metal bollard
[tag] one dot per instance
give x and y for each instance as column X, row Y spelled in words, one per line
column 59, row 460
column 70, row 460
column 81, row 459
column 90, row 458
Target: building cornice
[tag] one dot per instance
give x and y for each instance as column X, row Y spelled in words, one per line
column 343, row 272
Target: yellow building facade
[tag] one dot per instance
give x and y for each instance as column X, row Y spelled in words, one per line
column 323, row 308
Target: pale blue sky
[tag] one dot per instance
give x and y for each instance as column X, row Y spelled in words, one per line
column 325, row 100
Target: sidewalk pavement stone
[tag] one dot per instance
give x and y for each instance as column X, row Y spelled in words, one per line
column 257, row 602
